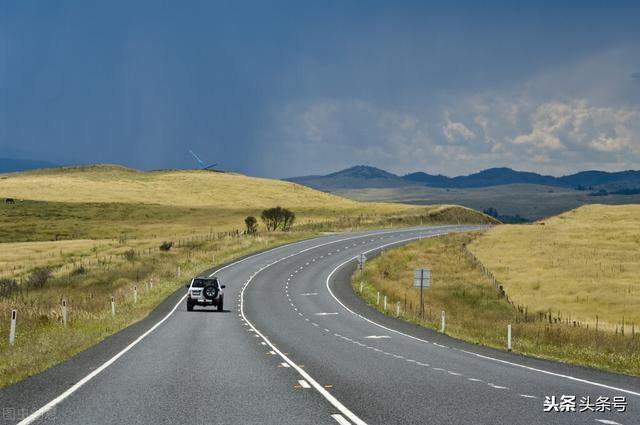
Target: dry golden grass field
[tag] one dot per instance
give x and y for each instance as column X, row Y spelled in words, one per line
column 558, row 277
column 582, row 264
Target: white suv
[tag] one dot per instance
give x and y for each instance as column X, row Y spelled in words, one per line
column 205, row 291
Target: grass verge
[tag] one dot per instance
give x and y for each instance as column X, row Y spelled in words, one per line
column 43, row 341
column 476, row 311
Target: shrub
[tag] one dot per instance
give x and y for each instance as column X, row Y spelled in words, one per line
column 166, row 246
column 287, row 219
column 274, row 218
column 252, row 225
column 130, row 255
column 8, row 287
column 39, row 277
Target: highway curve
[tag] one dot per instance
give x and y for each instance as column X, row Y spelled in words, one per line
column 297, row 346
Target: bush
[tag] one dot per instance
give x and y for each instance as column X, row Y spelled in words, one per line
column 130, row 255
column 39, row 277
column 274, row 218
column 8, row 287
column 287, row 219
column 166, row 246
column 252, row 225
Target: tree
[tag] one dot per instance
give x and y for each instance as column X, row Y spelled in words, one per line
column 288, row 219
column 278, row 217
column 272, row 218
column 252, row 225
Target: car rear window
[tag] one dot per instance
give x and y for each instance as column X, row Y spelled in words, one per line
column 201, row 283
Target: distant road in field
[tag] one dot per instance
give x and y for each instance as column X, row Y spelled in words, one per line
column 297, row 346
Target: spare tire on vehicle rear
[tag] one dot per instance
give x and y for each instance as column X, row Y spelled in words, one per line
column 210, row 291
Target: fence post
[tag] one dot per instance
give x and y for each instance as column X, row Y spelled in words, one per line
column 64, row 312
column 442, row 322
column 12, row 332
column 509, row 337
column 397, row 308
column 113, row 306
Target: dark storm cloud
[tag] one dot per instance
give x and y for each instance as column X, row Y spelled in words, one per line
column 285, row 88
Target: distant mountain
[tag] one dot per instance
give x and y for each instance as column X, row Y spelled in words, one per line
column 10, row 165
column 485, row 178
column 358, row 177
column 361, row 176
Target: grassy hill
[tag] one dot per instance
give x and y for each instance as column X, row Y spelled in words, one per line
column 571, row 281
column 580, row 264
column 181, row 188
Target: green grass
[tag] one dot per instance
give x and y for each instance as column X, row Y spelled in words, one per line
column 478, row 313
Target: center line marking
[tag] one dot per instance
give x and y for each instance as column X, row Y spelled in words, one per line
column 325, row 314
column 304, row 384
column 340, row 419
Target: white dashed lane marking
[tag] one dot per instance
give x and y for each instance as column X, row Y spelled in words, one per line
column 341, row 420
column 304, row 384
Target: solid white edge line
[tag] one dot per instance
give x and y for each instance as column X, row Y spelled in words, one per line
column 559, row 375
column 50, row 405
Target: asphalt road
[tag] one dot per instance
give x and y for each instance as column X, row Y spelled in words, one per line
column 295, row 345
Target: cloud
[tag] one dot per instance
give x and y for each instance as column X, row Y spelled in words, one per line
column 578, row 125
column 457, row 131
column 562, row 120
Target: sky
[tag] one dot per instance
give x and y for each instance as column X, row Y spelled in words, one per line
column 288, row 88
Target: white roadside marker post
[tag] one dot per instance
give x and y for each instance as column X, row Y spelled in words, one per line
column 113, row 306
column 385, row 303
column 442, row 322
column 378, row 298
column 361, row 286
column 135, row 294
column 64, row 312
column 178, row 270
column 397, row 308
column 12, row 331
column 509, row 337
column 151, row 284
